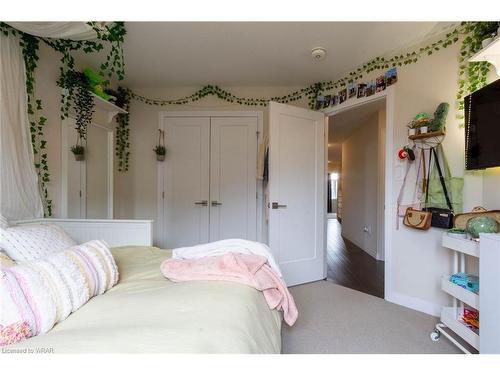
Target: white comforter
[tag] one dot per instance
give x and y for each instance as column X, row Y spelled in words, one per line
column 234, row 245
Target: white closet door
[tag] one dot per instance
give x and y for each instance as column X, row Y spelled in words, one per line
column 297, row 181
column 233, row 166
column 186, row 181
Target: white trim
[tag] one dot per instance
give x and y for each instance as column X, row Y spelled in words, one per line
column 389, row 96
column 160, row 183
column 114, row 232
column 414, row 303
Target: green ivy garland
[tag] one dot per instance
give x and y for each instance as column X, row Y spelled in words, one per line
column 78, row 86
column 472, row 75
column 122, row 129
column 114, row 65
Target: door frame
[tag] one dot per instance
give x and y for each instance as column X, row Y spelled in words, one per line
column 388, row 95
column 160, row 185
column 64, row 170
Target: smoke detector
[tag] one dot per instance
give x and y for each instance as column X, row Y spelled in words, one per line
column 318, row 53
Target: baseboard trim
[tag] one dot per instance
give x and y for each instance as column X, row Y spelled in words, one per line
column 414, row 303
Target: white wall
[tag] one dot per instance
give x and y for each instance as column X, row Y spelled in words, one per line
column 360, row 185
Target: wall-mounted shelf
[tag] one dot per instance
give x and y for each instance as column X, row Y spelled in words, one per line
column 111, row 109
column 423, row 136
column 490, row 53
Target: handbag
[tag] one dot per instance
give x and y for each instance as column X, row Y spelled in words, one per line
column 440, row 217
column 454, row 186
column 417, row 219
column 461, row 220
column 415, row 205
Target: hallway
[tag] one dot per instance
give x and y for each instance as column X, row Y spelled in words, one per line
column 350, row 266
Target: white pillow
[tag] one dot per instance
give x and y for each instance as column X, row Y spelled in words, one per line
column 24, row 243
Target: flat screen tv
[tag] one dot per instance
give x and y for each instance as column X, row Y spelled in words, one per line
column 482, row 127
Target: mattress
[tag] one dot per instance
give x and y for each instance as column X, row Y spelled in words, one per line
column 146, row 313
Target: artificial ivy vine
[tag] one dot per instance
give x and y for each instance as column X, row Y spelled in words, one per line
column 472, row 75
column 122, row 129
column 71, row 82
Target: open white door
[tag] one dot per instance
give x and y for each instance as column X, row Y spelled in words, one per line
column 297, row 184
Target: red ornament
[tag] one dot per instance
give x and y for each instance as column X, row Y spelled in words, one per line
column 402, row 154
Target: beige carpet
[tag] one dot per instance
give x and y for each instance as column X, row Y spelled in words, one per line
column 334, row 319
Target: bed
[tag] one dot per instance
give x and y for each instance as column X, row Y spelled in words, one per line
column 146, row 313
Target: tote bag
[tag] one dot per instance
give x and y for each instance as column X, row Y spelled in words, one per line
column 454, row 186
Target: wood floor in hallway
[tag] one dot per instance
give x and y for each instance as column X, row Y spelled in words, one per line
column 350, row 266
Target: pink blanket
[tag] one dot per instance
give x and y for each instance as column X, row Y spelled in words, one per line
column 251, row 270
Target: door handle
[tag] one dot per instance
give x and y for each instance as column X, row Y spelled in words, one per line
column 202, row 203
column 275, row 205
column 215, row 203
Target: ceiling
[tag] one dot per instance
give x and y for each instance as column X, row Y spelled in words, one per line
column 159, row 54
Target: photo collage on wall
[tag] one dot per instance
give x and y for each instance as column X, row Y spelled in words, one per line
column 358, row 90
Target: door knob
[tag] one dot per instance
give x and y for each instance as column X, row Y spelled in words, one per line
column 275, row 205
column 201, row 203
column 215, row 203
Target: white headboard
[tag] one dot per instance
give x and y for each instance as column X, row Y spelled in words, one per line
column 114, row 232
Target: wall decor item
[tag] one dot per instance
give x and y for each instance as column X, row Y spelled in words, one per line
column 481, row 224
column 380, row 83
column 160, row 149
column 78, row 151
column 326, row 101
column 342, row 96
column 370, row 88
column 391, row 76
column 361, row 90
column 351, row 90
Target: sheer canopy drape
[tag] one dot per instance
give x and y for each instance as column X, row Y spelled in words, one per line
column 19, row 192
column 59, row 30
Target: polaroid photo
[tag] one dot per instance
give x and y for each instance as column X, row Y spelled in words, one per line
column 361, row 90
column 380, row 83
column 391, row 76
column 370, row 88
column 351, row 90
column 342, row 96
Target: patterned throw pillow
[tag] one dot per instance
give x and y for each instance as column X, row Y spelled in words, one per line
column 36, row 295
column 6, row 261
column 30, row 242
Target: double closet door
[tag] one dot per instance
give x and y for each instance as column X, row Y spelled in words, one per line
column 208, row 180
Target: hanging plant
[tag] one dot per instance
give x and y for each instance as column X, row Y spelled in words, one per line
column 160, row 149
column 78, row 151
column 472, row 75
column 76, row 90
column 122, row 129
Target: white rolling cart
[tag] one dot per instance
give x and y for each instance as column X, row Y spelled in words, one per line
column 487, row 301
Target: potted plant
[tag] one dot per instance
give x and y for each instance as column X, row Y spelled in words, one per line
column 423, row 128
column 412, row 128
column 160, row 149
column 160, row 152
column 78, row 151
